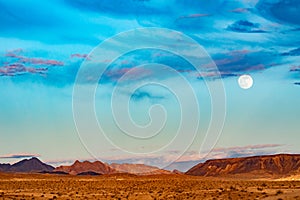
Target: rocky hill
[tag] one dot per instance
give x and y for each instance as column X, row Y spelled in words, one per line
column 281, row 165
column 26, row 165
column 86, row 166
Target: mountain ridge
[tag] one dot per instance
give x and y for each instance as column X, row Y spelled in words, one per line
column 86, row 166
column 27, row 165
column 278, row 164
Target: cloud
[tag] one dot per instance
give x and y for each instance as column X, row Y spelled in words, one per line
column 17, row 64
column 244, row 26
column 229, row 152
column 294, row 52
column 283, row 11
column 240, row 10
column 39, row 61
column 237, row 62
column 210, row 23
column 195, row 15
column 248, row 147
column 20, row 155
column 189, row 159
column 140, row 95
column 295, row 69
column 78, row 55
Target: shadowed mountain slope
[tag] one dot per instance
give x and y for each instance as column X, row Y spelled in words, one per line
column 86, row 166
column 26, row 165
column 281, row 164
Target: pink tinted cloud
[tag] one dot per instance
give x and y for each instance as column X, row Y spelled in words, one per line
column 19, row 50
column 19, row 64
column 124, row 62
column 17, row 69
column 240, row 10
column 12, row 69
column 131, row 73
column 12, row 55
column 107, row 61
column 38, row 61
column 295, row 68
column 78, row 55
column 36, row 70
column 257, row 67
column 239, row 52
column 230, row 57
column 248, row 147
column 197, row 15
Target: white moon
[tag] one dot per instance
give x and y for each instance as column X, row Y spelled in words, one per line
column 245, row 82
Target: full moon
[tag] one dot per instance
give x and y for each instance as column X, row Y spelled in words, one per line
column 245, row 82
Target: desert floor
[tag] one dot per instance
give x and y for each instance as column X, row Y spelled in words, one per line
column 39, row 186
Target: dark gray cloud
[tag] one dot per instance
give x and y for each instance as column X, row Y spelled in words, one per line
column 294, row 52
column 140, row 95
column 245, row 61
column 244, row 26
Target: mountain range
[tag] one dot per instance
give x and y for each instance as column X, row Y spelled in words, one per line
column 86, row 167
column 280, row 165
column 104, row 168
column 270, row 165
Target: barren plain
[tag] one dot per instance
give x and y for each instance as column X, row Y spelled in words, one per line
column 126, row 186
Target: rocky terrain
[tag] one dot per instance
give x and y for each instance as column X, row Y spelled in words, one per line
column 256, row 166
column 27, row 165
column 86, row 166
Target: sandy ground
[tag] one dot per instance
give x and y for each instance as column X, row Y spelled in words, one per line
column 38, row 186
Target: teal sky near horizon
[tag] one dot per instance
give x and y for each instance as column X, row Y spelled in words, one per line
column 43, row 45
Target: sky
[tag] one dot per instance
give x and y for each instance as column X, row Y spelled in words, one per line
column 148, row 81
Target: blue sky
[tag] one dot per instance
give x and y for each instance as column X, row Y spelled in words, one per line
column 44, row 43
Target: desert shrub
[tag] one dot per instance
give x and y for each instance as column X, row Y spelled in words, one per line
column 279, row 192
column 260, row 189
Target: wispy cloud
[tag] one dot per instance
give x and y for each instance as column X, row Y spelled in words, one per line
column 240, row 10
column 295, row 69
column 140, row 95
column 294, row 52
column 194, row 15
column 17, row 64
column 78, row 55
column 19, row 155
column 230, row 152
column 189, row 159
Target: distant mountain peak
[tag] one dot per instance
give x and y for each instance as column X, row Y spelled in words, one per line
column 86, row 166
column 27, row 165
